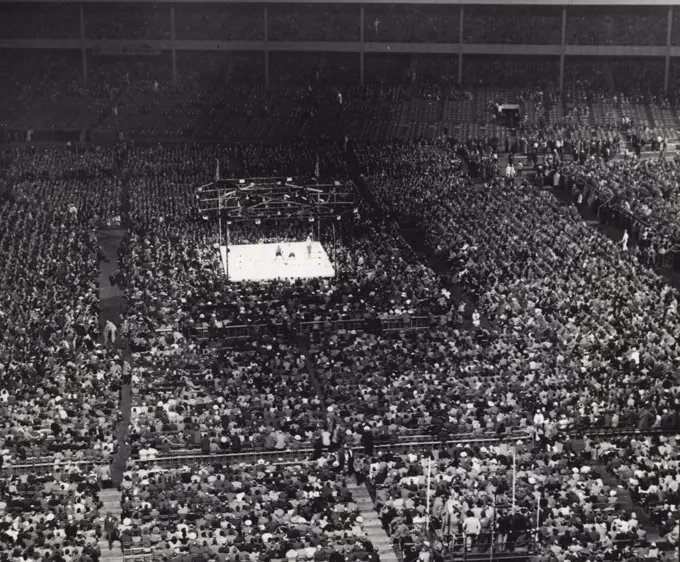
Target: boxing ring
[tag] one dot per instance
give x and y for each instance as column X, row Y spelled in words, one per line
column 272, row 203
column 260, row 262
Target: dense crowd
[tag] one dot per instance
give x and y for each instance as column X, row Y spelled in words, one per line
column 224, row 402
column 510, row 25
column 59, row 386
column 558, row 507
column 382, row 386
column 648, row 467
column 138, row 97
column 397, row 382
column 308, row 22
column 364, row 284
column 582, row 333
column 579, row 314
column 242, row 22
column 52, row 517
column 171, row 236
column 268, row 511
column 50, row 308
column 48, row 21
column 644, row 189
column 628, row 25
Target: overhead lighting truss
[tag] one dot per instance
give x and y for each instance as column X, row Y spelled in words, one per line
column 273, row 199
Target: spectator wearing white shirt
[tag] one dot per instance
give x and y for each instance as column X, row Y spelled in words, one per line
column 510, row 174
column 472, row 527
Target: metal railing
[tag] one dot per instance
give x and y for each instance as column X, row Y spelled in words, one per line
column 304, row 453
column 309, row 327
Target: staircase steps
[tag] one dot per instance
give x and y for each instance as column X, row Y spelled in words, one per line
column 111, row 500
column 373, row 525
column 113, row 555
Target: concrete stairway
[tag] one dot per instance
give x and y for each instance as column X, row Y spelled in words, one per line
column 372, row 524
column 112, row 504
column 111, row 499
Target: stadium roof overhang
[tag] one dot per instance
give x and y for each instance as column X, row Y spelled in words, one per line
column 273, row 199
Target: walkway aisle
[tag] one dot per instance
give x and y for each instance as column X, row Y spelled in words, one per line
column 614, row 233
column 415, row 239
column 372, row 524
column 111, row 499
column 112, row 304
column 113, row 307
column 303, row 344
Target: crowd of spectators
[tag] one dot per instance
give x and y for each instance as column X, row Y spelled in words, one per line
column 424, row 383
column 310, row 22
column 127, row 21
column 400, row 380
column 565, row 301
column 518, row 25
column 58, row 383
column 649, row 467
column 51, row 517
column 675, row 31
column 217, row 97
column 558, row 506
column 411, row 24
column 170, row 236
column 366, row 262
column 32, row 77
column 45, row 21
column 265, row 510
column 510, row 264
column 553, row 321
column 224, row 402
column 306, row 22
column 491, row 72
column 635, row 79
column 59, row 386
column 645, row 190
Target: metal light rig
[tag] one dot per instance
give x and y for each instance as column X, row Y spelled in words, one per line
column 275, row 198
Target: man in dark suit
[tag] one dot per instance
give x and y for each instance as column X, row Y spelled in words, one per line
column 110, row 528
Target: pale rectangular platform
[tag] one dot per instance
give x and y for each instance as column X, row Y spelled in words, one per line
column 258, row 262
